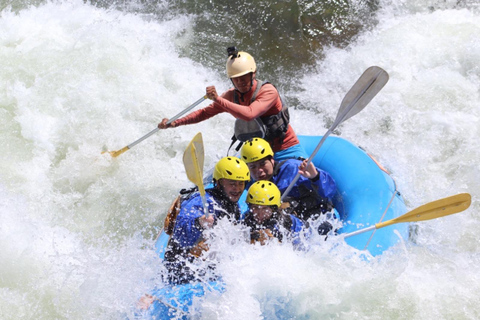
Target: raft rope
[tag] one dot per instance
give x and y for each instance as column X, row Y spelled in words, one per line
column 169, row 305
column 383, row 215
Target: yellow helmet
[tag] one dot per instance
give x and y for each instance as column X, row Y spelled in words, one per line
column 264, row 193
column 231, row 168
column 240, row 65
column 255, row 149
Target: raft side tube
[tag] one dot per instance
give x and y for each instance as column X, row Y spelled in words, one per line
column 365, row 192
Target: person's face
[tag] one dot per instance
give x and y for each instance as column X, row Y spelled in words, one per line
column 261, row 213
column 261, row 169
column 232, row 188
column 243, row 83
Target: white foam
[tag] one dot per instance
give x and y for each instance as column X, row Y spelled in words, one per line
column 76, row 224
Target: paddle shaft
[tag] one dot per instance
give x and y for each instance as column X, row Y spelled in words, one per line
column 297, row 176
column 196, row 103
column 354, row 233
column 432, row 210
column 348, row 110
column 131, row 145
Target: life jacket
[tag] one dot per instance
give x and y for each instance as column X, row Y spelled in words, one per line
column 266, row 127
column 268, row 229
column 174, row 209
column 263, row 236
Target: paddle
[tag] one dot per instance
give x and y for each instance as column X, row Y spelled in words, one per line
column 432, row 210
column 193, row 159
column 131, row 145
column 362, row 92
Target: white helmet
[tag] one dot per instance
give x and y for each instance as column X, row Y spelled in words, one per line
column 239, row 64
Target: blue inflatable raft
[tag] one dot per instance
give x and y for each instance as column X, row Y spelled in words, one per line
column 366, row 194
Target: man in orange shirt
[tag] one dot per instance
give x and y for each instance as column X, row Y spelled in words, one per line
column 251, row 101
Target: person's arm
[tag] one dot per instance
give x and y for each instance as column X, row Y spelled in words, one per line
column 322, row 182
column 296, row 225
column 298, row 229
column 266, row 99
column 194, row 117
column 291, row 223
column 199, row 115
column 321, row 179
column 325, row 184
column 189, row 225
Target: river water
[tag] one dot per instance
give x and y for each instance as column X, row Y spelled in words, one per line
column 78, row 78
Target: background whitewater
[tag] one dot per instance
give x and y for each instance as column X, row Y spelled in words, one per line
column 77, row 226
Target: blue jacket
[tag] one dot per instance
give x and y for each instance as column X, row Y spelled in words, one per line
column 325, row 185
column 187, row 230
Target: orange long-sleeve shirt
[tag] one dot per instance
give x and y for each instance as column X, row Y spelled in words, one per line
column 266, row 103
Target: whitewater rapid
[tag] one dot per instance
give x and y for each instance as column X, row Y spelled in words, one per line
column 77, row 225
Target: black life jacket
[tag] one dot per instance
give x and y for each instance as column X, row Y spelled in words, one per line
column 277, row 219
column 273, row 127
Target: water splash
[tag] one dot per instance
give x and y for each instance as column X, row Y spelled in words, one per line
column 76, row 225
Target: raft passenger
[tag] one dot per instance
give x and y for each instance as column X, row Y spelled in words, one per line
column 229, row 178
column 310, row 196
column 265, row 217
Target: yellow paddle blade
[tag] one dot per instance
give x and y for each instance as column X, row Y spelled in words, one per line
column 433, row 210
column 118, row 152
column 193, row 159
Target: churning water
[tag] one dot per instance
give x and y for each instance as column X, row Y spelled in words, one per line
column 76, row 79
